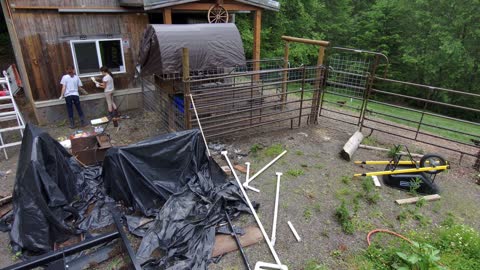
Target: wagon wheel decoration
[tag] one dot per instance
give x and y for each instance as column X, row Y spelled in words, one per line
column 217, row 14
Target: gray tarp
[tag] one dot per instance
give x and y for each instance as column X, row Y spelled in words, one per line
column 211, row 46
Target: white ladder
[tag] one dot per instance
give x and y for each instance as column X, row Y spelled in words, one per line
column 10, row 115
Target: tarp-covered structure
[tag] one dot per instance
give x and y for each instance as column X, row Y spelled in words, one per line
column 169, row 177
column 211, row 46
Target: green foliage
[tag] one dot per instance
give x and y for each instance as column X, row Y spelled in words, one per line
column 299, row 153
column 370, row 141
column 314, row 265
column 370, row 194
column 307, row 213
column 394, row 151
column 346, row 180
column 274, row 150
column 254, row 148
column 295, row 172
column 345, row 218
column 421, row 257
column 450, row 246
column 415, row 185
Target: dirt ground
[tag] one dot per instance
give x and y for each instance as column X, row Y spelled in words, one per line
column 309, row 200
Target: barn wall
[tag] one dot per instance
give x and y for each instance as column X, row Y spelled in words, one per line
column 44, row 36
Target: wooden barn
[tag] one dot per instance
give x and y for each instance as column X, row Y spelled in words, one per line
column 48, row 35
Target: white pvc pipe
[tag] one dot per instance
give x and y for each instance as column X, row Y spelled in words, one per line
column 275, row 211
column 262, row 229
column 199, row 125
column 261, row 265
column 248, row 171
column 251, row 188
column 266, row 167
column 294, row 231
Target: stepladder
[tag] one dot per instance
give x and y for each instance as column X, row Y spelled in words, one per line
column 11, row 120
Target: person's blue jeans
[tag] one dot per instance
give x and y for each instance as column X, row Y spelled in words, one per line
column 73, row 100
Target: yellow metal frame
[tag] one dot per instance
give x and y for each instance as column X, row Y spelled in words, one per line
column 413, row 170
column 382, row 162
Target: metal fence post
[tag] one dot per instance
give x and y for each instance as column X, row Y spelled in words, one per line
column 367, row 92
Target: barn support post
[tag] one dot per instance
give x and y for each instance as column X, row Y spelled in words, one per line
column 285, row 74
column 257, row 29
column 319, row 75
column 19, row 57
column 186, row 92
column 367, row 93
column 318, row 82
column 167, row 16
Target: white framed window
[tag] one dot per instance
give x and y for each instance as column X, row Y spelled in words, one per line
column 91, row 54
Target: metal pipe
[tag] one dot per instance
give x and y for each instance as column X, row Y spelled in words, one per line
column 427, row 86
column 242, row 252
column 429, row 142
column 200, row 125
column 64, row 252
column 426, row 100
column 249, row 203
column 294, row 231
column 126, row 242
column 275, row 211
column 266, row 166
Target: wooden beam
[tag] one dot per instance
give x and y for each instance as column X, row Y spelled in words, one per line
column 167, row 16
column 71, row 8
column 19, row 58
column 386, row 150
column 186, row 88
column 6, row 200
column 207, row 6
column 306, row 41
column 257, row 37
column 285, row 73
column 427, row 198
column 318, row 79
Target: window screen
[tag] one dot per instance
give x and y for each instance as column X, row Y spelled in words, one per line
column 87, row 59
column 111, row 53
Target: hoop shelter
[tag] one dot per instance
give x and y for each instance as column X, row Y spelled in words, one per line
column 211, row 46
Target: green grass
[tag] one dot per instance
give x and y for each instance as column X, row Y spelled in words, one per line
column 274, row 150
column 458, row 247
column 314, row 265
column 412, row 117
column 295, row 172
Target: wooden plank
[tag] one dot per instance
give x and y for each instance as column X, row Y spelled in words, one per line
column 5, row 200
column 386, row 150
column 19, row 57
column 433, row 197
column 226, row 243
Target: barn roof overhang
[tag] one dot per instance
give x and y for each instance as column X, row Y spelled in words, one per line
column 265, row 4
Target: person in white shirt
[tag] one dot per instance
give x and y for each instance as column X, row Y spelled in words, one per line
column 70, row 84
column 107, row 84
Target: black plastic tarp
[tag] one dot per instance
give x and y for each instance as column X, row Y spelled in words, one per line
column 50, row 188
column 171, row 176
column 211, row 46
